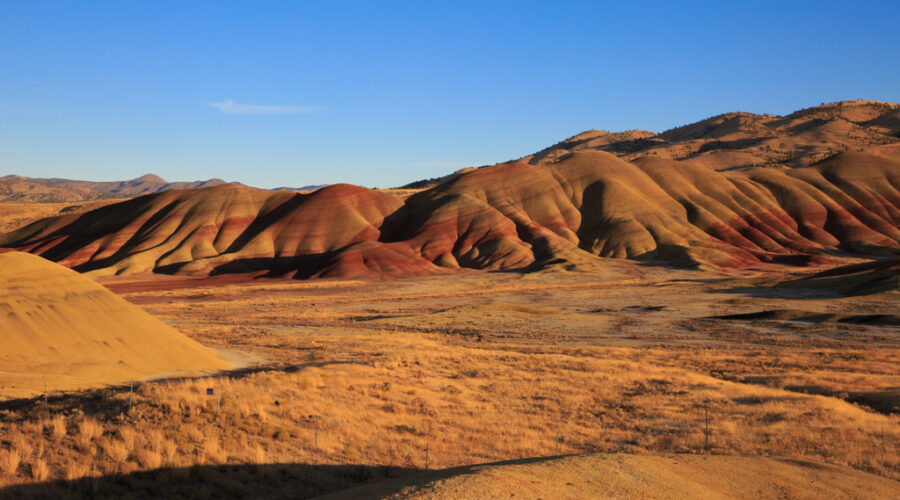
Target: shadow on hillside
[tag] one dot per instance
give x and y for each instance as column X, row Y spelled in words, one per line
column 421, row 482
column 775, row 292
column 213, row 481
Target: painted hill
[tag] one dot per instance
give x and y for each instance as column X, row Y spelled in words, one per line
column 742, row 140
column 631, row 476
column 64, row 330
column 18, row 188
column 331, row 232
column 568, row 213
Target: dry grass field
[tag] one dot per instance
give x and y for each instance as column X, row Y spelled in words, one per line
column 355, row 381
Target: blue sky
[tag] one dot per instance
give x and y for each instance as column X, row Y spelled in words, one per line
column 379, row 94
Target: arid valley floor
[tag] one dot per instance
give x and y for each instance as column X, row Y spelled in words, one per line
column 349, row 381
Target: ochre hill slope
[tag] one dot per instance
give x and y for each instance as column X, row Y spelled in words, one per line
column 632, row 476
column 742, row 140
column 331, row 232
column 569, row 212
column 64, row 330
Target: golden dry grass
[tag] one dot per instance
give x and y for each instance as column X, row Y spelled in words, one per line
column 369, row 376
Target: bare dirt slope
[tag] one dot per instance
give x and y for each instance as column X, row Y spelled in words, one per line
column 633, row 476
column 66, row 331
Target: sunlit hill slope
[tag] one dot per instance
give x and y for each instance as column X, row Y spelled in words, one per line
column 61, row 330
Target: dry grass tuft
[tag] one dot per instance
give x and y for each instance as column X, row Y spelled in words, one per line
column 58, row 428
column 39, row 469
column 194, row 434
column 156, row 440
column 76, row 470
column 170, row 450
column 89, row 429
column 21, row 444
column 149, row 459
column 9, row 461
column 213, row 451
column 117, row 451
column 129, row 437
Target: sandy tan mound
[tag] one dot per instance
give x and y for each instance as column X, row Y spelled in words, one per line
column 631, row 476
column 62, row 329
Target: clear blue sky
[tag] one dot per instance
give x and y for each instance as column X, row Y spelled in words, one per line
column 293, row 93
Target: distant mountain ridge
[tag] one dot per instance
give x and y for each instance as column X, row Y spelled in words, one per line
column 19, row 188
column 311, row 187
column 22, row 189
column 740, row 140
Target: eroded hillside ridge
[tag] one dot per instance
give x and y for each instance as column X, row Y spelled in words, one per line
column 517, row 215
column 745, row 140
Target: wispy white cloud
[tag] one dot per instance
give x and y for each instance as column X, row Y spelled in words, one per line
column 230, row 107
